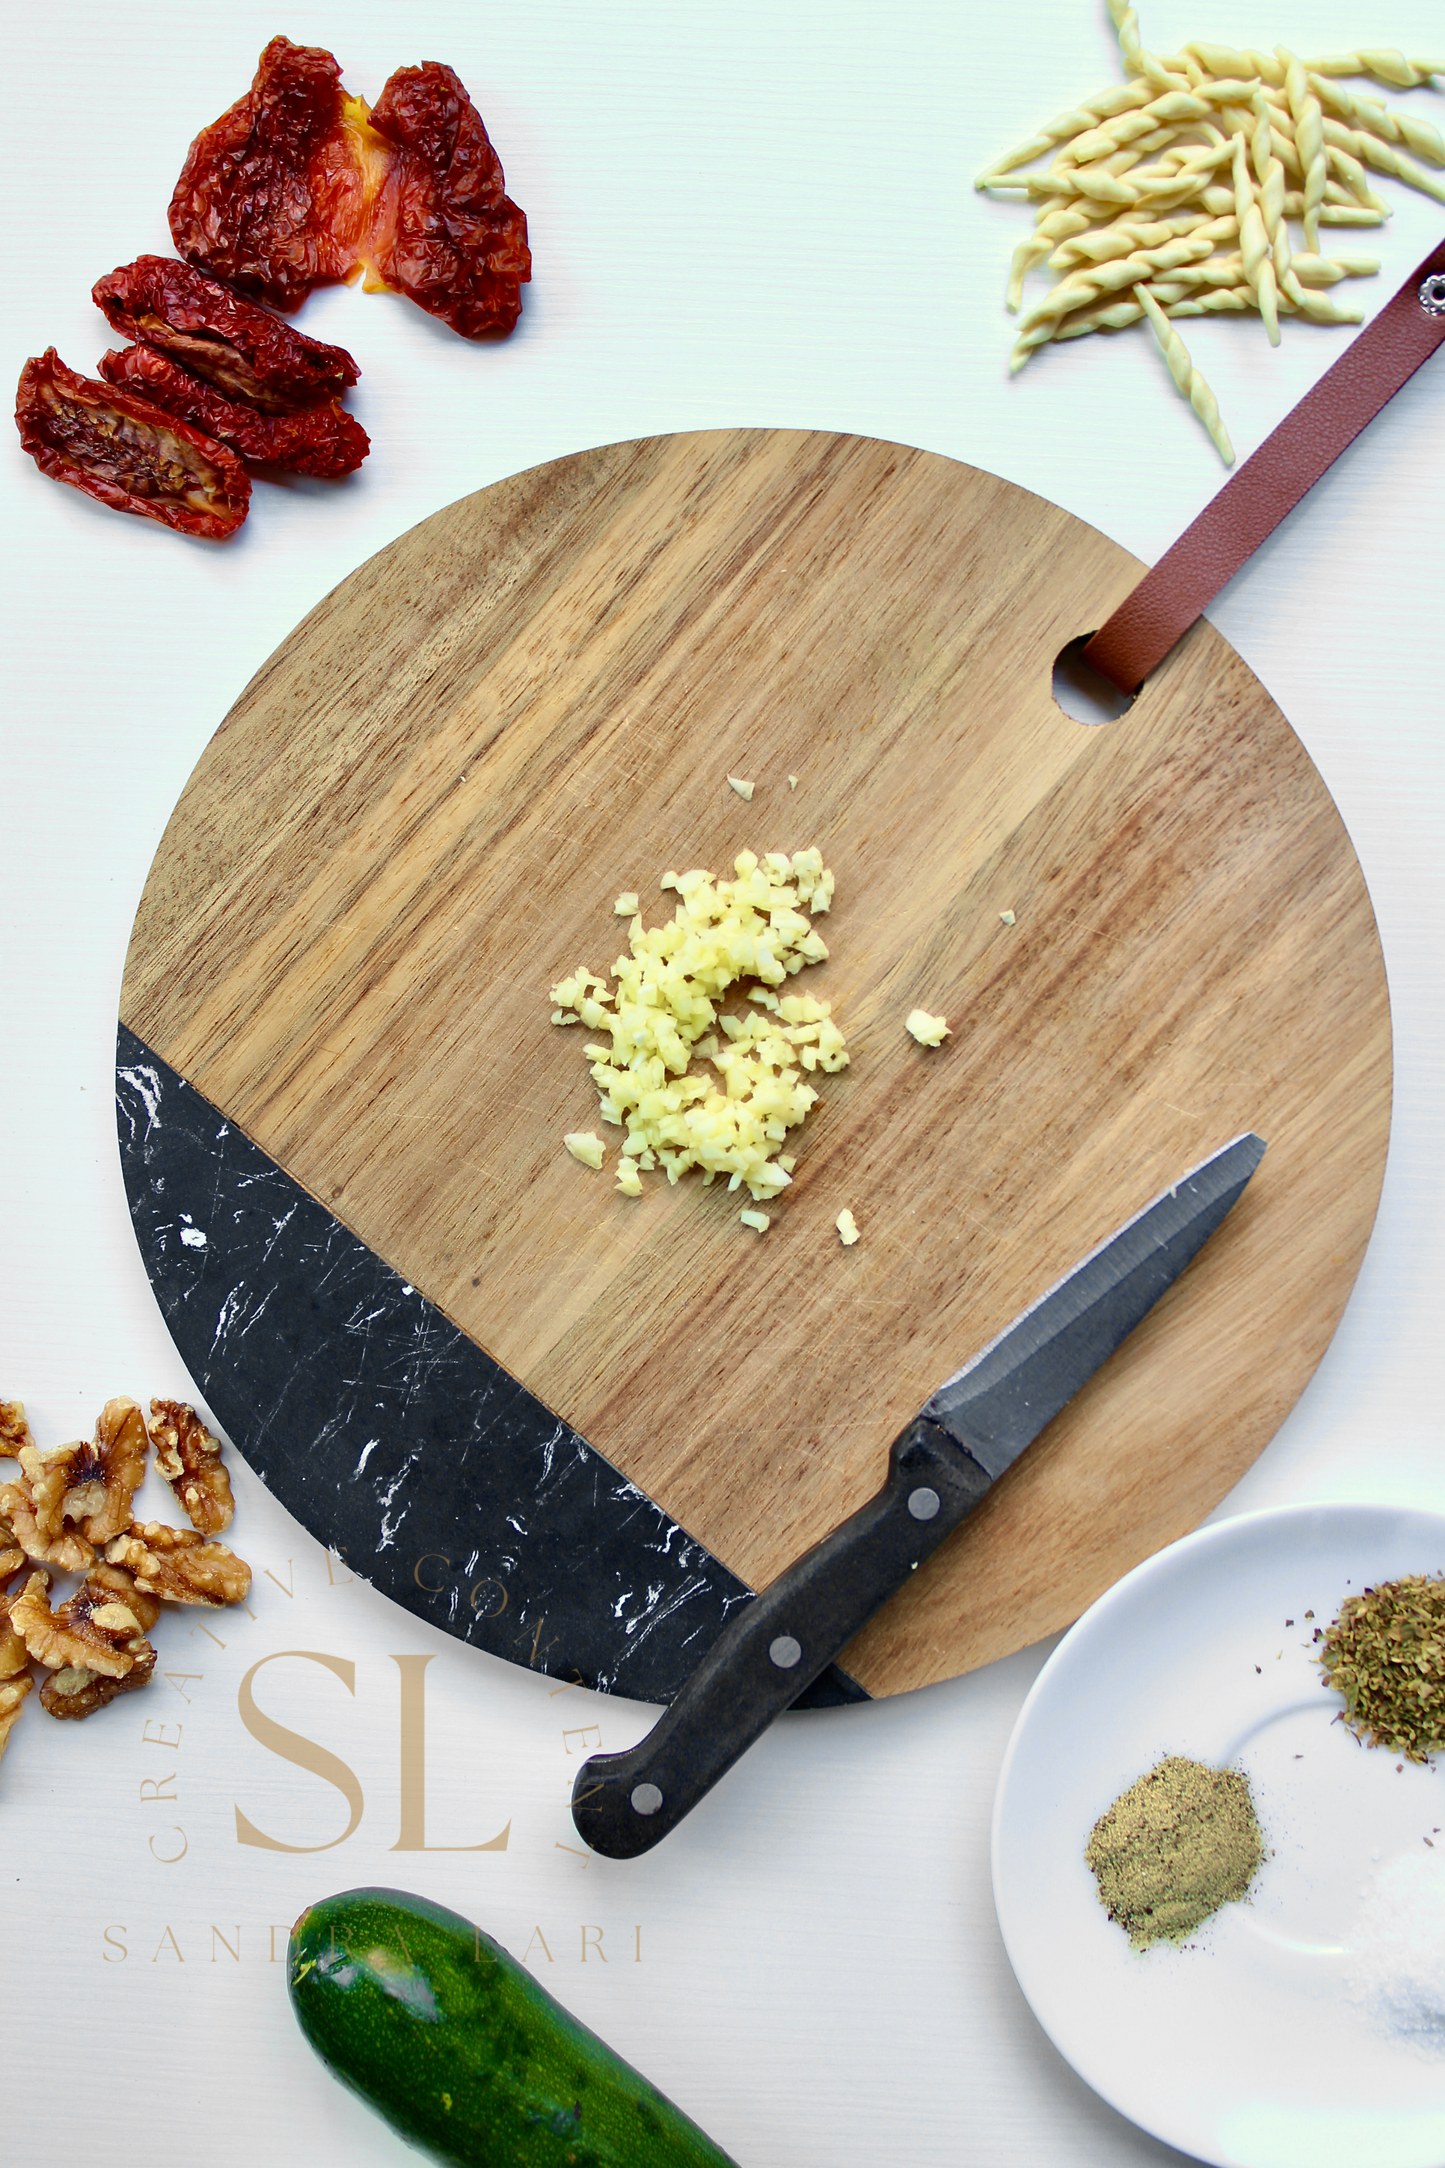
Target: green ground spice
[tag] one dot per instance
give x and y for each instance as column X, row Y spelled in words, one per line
column 1181, row 1842
column 1385, row 1654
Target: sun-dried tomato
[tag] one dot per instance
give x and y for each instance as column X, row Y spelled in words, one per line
column 327, row 441
column 300, row 183
column 245, row 351
column 127, row 452
column 444, row 232
column 260, row 191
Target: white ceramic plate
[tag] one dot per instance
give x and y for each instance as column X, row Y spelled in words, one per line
column 1246, row 2048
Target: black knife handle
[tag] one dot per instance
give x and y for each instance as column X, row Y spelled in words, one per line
column 776, row 1645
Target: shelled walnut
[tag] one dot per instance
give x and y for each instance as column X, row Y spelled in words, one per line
column 12, row 1693
column 93, row 1629
column 88, row 1485
column 190, row 1460
column 100, row 1478
column 180, row 1566
column 79, row 1689
column 14, row 1430
column 13, row 1654
column 123, row 1589
column 46, row 1473
column 68, row 1501
column 68, row 1550
column 12, row 1553
column 15, row 1680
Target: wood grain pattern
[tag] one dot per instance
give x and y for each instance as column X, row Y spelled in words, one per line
column 416, row 819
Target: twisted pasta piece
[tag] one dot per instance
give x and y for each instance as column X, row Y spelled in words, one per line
column 1254, row 245
column 1329, row 270
column 1103, row 243
column 1231, row 63
column 1354, row 142
column 1171, row 297
column 1386, row 67
column 1118, row 99
column 1186, row 376
column 1269, row 173
column 1220, row 299
column 1285, row 147
column 1377, row 119
column 1081, row 287
column 1218, row 271
column 1102, row 182
column 1309, row 142
column 1050, row 227
column 1159, row 188
column 1103, row 187
column 1174, row 107
column 1158, row 139
column 1135, row 58
column 1352, row 174
column 1348, row 213
column 1104, row 316
column 1321, row 308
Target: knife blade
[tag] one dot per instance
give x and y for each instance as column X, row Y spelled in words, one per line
column 962, row 1440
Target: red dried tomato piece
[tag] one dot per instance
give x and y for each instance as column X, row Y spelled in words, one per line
column 299, row 184
column 452, row 240
column 262, row 200
column 245, row 351
column 127, row 452
column 326, row 441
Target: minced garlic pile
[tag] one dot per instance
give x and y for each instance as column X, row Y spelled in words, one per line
column 665, row 1010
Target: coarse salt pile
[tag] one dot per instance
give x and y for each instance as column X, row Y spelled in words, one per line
column 1396, row 1966
column 665, row 1010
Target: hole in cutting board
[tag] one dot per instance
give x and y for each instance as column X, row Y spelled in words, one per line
column 1083, row 692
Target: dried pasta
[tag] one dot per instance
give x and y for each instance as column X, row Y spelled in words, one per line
column 1173, row 193
column 1187, row 377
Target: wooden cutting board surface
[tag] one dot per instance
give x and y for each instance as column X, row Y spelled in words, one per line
column 417, row 817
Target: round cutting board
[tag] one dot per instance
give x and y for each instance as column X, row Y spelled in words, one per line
column 1146, row 935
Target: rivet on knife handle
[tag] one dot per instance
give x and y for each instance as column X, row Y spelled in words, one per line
column 778, row 1644
column 973, row 1428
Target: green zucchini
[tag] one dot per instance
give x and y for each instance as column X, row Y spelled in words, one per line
column 463, row 2052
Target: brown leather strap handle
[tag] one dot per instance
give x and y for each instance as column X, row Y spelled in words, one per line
column 1272, row 480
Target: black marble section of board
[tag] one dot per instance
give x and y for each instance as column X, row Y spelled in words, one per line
column 392, row 1437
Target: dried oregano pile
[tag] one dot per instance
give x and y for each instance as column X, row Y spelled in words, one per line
column 1385, row 1654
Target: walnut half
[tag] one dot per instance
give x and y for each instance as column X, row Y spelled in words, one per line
column 14, row 1430
column 76, row 1692
column 12, row 1693
column 190, row 1460
column 12, row 1554
column 123, row 1590
column 15, row 1680
column 179, row 1566
column 68, row 1550
column 95, row 1631
column 102, row 1478
column 14, row 1655
column 100, row 1627
column 45, row 1472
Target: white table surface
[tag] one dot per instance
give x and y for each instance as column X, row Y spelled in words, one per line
column 746, row 214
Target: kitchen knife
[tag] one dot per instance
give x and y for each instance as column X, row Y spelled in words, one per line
column 974, row 1427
